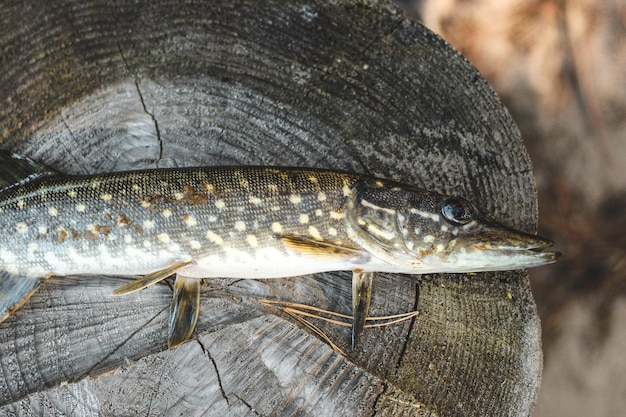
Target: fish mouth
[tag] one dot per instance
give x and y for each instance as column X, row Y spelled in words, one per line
column 538, row 252
column 505, row 241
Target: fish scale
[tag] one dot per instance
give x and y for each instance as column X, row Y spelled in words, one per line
column 243, row 222
column 134, row 223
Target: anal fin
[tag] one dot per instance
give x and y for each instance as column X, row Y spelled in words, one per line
column 184, row 310
column 15, row 290
column 361, row 296
column 150, row 279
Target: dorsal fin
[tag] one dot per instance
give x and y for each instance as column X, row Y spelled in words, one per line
column 17, row 169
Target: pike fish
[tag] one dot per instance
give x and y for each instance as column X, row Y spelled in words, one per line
column 243, row 222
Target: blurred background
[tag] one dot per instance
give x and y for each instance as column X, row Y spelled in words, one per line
column 560, row 69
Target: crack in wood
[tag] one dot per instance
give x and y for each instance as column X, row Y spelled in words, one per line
column 142, row 101
column 154, row 120
column 247, row 404
column 378, row 398
column 207, row 353
column 118, row 347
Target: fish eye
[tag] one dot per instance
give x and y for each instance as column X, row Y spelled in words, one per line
column 457, row 211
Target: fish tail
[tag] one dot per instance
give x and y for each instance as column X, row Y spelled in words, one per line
column 15, row 290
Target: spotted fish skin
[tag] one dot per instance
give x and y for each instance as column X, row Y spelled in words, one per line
column 244, row 222
column 225, row 221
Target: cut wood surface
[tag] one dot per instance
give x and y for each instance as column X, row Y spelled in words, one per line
column 95, row 86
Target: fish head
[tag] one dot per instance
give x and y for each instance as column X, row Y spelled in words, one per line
column 420, row 231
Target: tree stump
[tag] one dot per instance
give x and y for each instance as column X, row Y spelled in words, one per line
column 91, row 87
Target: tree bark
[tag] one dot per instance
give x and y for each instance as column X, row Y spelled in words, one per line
column 92, row 87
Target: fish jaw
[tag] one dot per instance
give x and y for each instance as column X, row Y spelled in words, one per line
column 493, row 248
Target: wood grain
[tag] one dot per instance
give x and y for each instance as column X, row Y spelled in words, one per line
column 94, row 87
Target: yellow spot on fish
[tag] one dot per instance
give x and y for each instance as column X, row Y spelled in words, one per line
column 136, row 187
column 20, row 204
column 163, row 238
column 106, row 197
column 314, row 233
column 379, row 184
column 220, row 204
column 145, row 204
column 295, row 198
column 53, row 211
column 347, row 191
column 95, row 185
column 252, row 241
column 147, row 244
column 429, row 239
column 179, row 196
column 255, row 200
column 128, row 239
column 240, row 226
column 277, row 228
column 212, row 218
column 190, row 220
column 319, row 213
column 209, row 187
column 213, row 237
column 194, row 244
column 332, row 231
column 167, row 213
column 72, row 193
column 440, row 247
column 21, row 227
column 313, row 179
column 321, row 196
column 80, row 208
column 303, row 219
column 272, row 187
column 164, row 183
column 244, row 183
column 148, row 224
column 336, row 215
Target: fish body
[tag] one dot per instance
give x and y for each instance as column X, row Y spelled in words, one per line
column 244, row 222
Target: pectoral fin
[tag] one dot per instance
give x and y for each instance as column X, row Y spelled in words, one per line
column 150, row 279
column 184, row 310
column 313, row 247
column 15, row 290
column 361, row 296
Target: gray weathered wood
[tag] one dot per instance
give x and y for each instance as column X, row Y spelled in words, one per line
column 92, row 87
